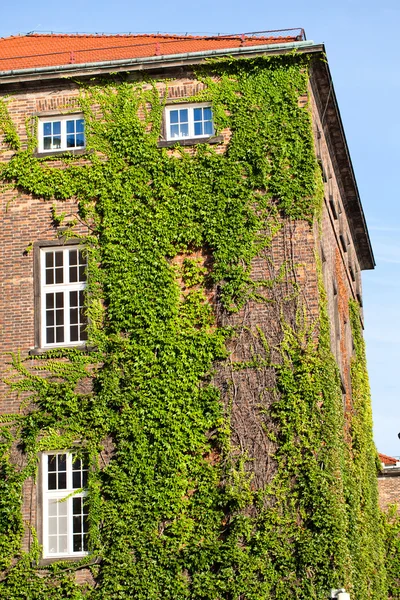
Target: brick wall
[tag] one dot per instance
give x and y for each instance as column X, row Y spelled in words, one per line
column 26, row 220
column 389, row 487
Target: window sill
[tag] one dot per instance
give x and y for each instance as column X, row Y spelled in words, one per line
column 85, row 559
column 42, row 351
column 61, row 153
column 215, row 139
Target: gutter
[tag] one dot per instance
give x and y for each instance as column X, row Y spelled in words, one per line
column 152, row 62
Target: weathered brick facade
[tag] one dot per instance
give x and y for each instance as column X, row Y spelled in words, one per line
column 27, row 223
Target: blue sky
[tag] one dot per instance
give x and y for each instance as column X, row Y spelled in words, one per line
column 361, row 38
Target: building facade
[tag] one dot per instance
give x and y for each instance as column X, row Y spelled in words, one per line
column 184, row 394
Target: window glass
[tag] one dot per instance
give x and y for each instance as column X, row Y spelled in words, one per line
column 63, row 134
column 63, row 313
column 65, row 518
column 192, row 121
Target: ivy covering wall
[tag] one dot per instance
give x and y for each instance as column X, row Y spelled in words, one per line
column 173, row 513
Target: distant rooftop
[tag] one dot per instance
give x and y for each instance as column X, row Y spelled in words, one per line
column 388, row 461
column 34, row 50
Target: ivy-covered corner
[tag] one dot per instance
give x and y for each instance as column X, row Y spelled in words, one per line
column 173, row 512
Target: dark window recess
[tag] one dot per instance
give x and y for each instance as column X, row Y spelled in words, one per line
column 318, row 145
column 352, row 272
column 323, row 171
column 359, row 298
column 333, row 206
column 343, row 241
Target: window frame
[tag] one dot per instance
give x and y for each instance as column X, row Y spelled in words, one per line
column 64, row 288
column 191, row 134
column 63, row 133
column 64, row 497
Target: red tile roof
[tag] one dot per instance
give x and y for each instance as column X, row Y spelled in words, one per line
column 45, row 50
column 387, row 460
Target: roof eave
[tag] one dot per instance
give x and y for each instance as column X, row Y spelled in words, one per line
column 321, row 81
column 150, row 62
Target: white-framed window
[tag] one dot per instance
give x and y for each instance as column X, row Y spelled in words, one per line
column 65, row 515
column 189, row 121
column 63, row 282
column 61, row 133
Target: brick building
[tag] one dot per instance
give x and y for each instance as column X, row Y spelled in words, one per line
column 388, row 482
column 43, row 270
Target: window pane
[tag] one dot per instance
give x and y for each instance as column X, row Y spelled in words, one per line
column 59, row 275
column 73, row 299
column 52, row 525
column 50, row 336
column 76, row 464
column 198, row 129
column 73, row 257
column 73, row 316
column 80, row 125
column 49, row 259
column 56, row 127
column 74, row 333
column 59, row 256
column 49, row 301
column 62, row 544
column 47, row 143
column 49, row 318
column 49, row 276
column 52, row 481
column 62, row 481
column 77, row 524
column 207, row 114
column 70, row 126
column 76, row 480
column 73, row 274
column 59, row 317
column 80, row 140
column 59, row 300
column 46, row 128
column 183, row 115
column 70, row 141
column 59, row 335
column 184, row 130
column 208, row 128
column 62, row 508
column 62, row 524
column 52, row 462
column 62, row 462
column 76, row 505
column 173, row 116
column 78, row 543
column 82, row 273
column 197, row 114
column 52, row 508
column 56, row 143
column 174, row 131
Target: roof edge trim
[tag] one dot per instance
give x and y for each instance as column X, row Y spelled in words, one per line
column 154, row 61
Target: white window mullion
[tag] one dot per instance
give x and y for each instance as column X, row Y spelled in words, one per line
column 66, row 294
column 63, row 134
column 63, row 288
column 191, row 123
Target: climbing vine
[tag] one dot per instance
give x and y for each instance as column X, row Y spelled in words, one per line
column 173, row 509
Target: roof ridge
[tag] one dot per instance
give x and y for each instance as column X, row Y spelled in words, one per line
column 176, row 36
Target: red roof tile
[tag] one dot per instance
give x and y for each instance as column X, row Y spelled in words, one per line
column 45, row 50
column 387, row 460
